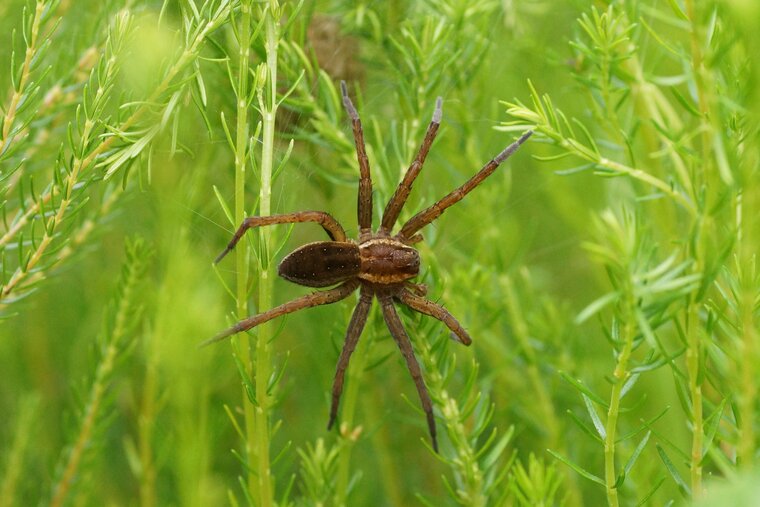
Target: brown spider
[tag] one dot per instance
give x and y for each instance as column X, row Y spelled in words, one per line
column 379, row 264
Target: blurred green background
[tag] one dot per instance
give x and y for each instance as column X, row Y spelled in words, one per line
column 636, row 195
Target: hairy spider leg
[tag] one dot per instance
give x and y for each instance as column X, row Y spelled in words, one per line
column 396, row 203
column 417, row 288
column 318, row 298
column 427, row 307
column 355, row 327
column 402, row 340
column 328, row 223
column 426, row 216
column 364, row 204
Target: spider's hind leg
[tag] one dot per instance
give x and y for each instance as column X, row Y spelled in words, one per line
column 427, row 307
column 355, row 327
column 402, row 340
column 323, row 297
column 419, row 289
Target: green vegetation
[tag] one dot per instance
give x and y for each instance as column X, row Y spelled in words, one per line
column 607, row 273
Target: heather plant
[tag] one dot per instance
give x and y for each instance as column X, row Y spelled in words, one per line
column 607, row 273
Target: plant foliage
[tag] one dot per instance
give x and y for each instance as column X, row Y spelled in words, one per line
column 607, row 275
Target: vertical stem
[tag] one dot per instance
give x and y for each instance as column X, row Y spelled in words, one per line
column 620, row 375
column 749, row 357
column 241, row 252
column 470, row 479
column 18, row 450
column 146, row 420
column 32, row 50
column 386, row 457
column 268, row 104
column 521, row 333
column 544, row 400
column 748, row 353
column 347, row 431
column 693, row 353
column 705, row 101
column 702, row 180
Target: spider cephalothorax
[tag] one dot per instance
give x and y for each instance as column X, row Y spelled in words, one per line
column 379, row 264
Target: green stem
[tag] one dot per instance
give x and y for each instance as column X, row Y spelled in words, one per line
column 706, row 178
column 749, row 350
column 521, row 333
column 693, row 364
column 470, row 472
column 268, row 106
column 470, row 477
column 19, row 450
column 146, row 421
column 387, row 459
column 620, row 375
column 693, row 353
column 348, row 433
column 645, row 177
column 703, row 84
column 651, row 104
column 32, row 50
column 749, row 388
column 241, row 252
column 98, row 395
column 586, row 153
column 549, row 418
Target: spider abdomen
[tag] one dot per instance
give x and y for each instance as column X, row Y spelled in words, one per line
column 321, row 264
column 387, row 261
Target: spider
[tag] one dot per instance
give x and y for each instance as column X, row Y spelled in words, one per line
column 380, row 264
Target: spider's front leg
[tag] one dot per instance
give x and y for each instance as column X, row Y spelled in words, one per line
column 426, row 216
column 396, row 203
column 328, row 223
column 364, row 204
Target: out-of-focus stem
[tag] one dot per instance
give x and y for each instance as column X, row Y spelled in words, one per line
column 620, row 375
column 349, row 434
column 549, row 415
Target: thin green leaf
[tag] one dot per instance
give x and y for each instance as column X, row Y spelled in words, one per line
column 580, row 470
column 594, row 417
column 682, row 486
column 584, row 390
column 636, row 453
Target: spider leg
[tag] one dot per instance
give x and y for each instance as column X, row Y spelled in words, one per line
column 364, row 205
column 426, row 216
column 355, row 327
column 427, row 307
column 419, row 289
column 402, row 340
column 328, row 223
column 324, row 297
column 394, row 206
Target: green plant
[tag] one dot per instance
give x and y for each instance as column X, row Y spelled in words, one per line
column 122, row 318
column 689, row 175
column 607, row 275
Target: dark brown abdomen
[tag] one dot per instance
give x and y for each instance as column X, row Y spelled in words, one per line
column 321, row 264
